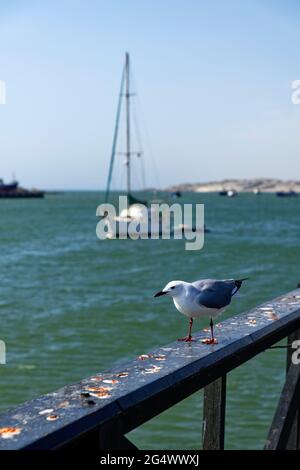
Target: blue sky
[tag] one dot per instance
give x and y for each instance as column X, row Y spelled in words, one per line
column 213, row 81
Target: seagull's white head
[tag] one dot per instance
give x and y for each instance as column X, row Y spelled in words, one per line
column 173, row 289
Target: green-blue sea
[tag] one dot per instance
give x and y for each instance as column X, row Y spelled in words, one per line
column 72, row 305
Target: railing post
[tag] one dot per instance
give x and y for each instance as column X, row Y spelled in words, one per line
column 214, row 403
column 280, row 430
column 294, row 439
column 111, row 437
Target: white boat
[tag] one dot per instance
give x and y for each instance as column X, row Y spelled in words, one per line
column 228, row 192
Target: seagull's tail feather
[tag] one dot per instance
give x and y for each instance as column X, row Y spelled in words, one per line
column 238, row 283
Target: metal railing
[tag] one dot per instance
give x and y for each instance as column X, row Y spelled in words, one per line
column 99, row 411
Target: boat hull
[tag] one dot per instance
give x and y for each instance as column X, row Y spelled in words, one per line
column 21, row 194
column 286, row 194
column 121, row 229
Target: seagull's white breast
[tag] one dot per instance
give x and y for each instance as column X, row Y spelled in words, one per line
column 191, row 308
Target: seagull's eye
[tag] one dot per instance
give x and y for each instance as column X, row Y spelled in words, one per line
column 173, row 287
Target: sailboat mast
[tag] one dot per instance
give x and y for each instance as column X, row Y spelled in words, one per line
column 115, row 137
column 128, row 154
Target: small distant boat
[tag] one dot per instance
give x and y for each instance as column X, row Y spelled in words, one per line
column 8, row 187
column 228, row 192
column 256, row 191
column 12, row 190
column 289, row 193
column 176, row 194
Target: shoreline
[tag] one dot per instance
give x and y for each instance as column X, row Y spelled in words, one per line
column 263, row 185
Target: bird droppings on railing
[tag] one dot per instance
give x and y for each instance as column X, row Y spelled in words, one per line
column 46, row 412
column 52, row 418
column 101, row 395
column 122, row 374
column 63, row 404
column 271, row 316
column 7, row 433
column 109, row 378
column 143, row 357
column 152, row 370
column 137, row 391
column 99, row 389
column 99, row 392
column 160, row 357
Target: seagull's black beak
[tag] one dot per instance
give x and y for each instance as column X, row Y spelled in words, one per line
column 158, row 294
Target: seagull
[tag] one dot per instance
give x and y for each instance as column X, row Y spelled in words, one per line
column 204, row 298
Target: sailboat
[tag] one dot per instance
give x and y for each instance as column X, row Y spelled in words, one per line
column 137, row 210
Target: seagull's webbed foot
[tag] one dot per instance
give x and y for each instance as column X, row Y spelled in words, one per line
column 210, row 341
column 187, row 339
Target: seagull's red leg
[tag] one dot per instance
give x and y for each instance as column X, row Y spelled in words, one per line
column 212, row 328
column 188, row 338
column 190, row 329
column 212, row 339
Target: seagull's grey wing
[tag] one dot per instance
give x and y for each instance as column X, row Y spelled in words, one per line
column 213, row 293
